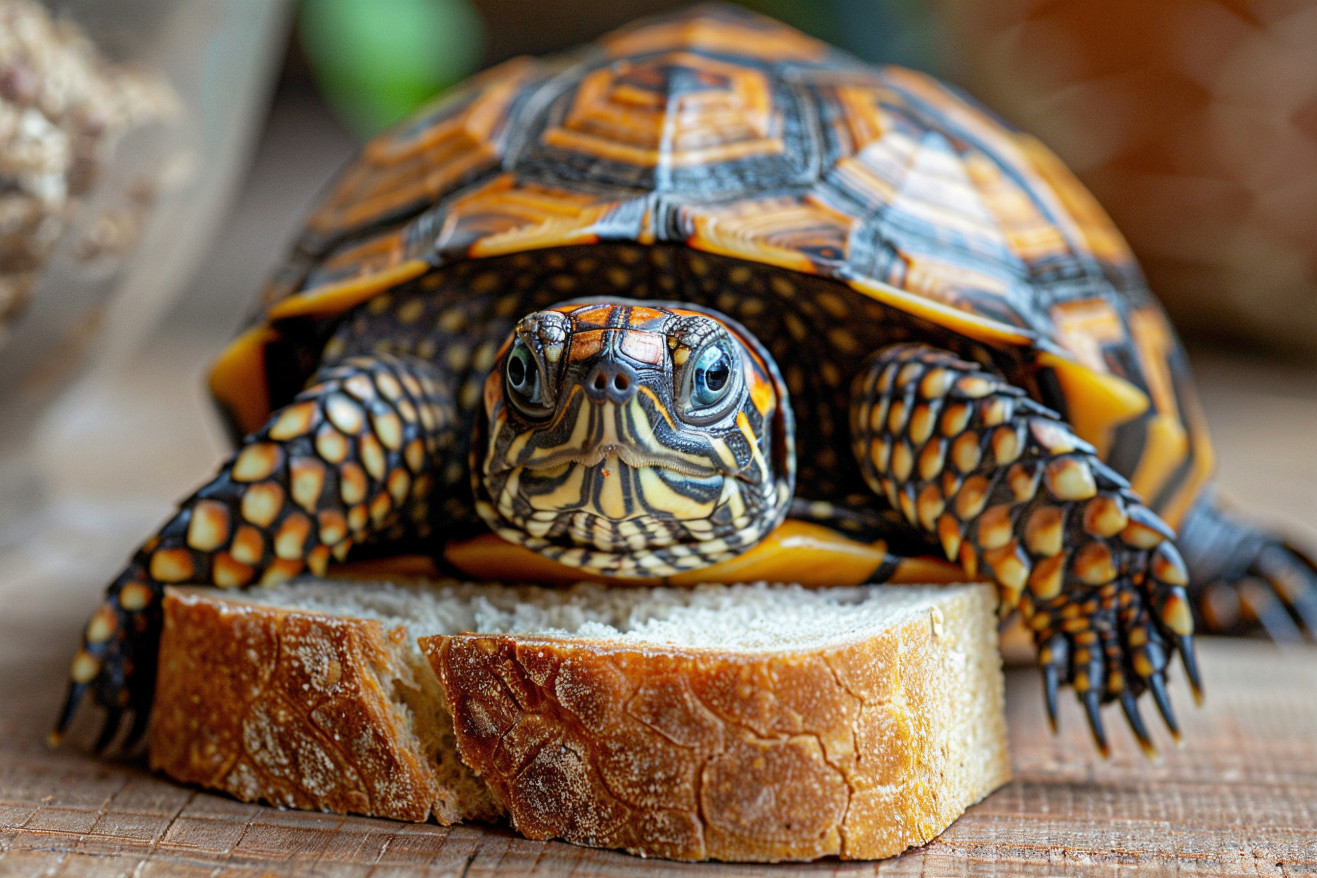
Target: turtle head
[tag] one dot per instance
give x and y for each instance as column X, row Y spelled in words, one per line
column 630, row 439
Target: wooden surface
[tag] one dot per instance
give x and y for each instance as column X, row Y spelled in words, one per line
column 1239, row 798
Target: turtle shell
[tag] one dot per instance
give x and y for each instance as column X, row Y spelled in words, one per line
column 725, row 132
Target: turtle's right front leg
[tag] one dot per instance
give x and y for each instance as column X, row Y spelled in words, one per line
column 349, row 458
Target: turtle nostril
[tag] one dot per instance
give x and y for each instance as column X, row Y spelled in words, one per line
column 621, row 382
column 599, row 381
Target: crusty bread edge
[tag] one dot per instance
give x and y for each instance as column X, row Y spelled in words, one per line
column 300, row 709
column 304, row 710
column 858, row 750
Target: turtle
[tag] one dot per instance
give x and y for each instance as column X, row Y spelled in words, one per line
column 710, row 300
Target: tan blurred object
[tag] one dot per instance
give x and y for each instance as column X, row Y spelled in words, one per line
column 1195, row 124
column 62, row 109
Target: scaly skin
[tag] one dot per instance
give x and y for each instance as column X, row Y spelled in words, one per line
column 350, row 458
column 1014, row 495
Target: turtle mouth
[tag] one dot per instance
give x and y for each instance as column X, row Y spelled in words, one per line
column 626, row 455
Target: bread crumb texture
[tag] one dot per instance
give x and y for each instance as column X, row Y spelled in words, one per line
column 858, row 750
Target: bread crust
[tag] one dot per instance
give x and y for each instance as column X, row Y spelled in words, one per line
column 859, row 750
column 292, row 708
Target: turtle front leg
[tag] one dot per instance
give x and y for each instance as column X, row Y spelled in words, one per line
column 349, row 458
column 1013, row 494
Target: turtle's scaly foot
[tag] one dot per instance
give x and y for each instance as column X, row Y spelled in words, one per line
column 1014, row 495
column 1245, row 578
column 348, row 459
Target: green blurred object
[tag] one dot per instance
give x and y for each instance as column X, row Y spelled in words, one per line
column 377, row 61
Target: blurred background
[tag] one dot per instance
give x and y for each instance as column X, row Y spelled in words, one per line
column 1193, row 121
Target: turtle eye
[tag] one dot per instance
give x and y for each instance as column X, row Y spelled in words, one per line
column 522, row 377
column 710, row 382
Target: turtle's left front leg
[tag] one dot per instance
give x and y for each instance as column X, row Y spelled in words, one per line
column 350, row 459
column 1013, row 494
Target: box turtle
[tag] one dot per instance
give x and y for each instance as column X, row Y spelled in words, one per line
column 708, row 300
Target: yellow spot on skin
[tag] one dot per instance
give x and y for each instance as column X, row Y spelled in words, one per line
column 415, row 455
column 209, row 526
column 973, row 494
column 358, row 518
column 399, row 484
column 896, row 417
column 1023, row 480
column 1047, row 577
column 102, row 625
column 921, row 424
column 293, row 421
column 993, row 412
column 228, row 572
column 388, row 386
column 331, row 445
column 281, row 571
column 318, row 560
column 1176, row 616
column 995, row 527
column 965, row 452
column 307, row 482
column 256, row 462
column 880, row 454
column 1070, row 479
column 85, row 667
column 1141, row 536
column 974, row 386
column 262, row 503
column 1168, row 566
column 171, row 565
column 954, row 419
column 1010, row 570
column 1054, row 437
column 931, row 459
column 352, row 483
column 345, row 414
column 380, row 507
column 248, row 545
column 360, row 386
column 372, row 457
column 902, row 461
column 1005, row 445
column 1043, row 531
column 930, row 506
column 934, row 385
column 1094, row 564
column 290, row 540
column 388, row 427
column 681, row 355
column 948, row 531
column 1104, row 516
column 134, row 596
column 333, row 527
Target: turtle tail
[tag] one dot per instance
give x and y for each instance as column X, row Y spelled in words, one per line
column 1245, row 579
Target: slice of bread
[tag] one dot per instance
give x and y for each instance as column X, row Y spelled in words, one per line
column 754, row 723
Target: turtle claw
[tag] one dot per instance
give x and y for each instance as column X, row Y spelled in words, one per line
column 113, row 720
column 1130, row 704
column 1051, row 683
column 1189, row 658
column 1157, row 683
column 1092, row 700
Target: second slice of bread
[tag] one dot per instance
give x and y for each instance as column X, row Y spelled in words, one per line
column 734, row 722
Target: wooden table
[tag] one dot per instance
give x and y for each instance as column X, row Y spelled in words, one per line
column 1239, row 798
